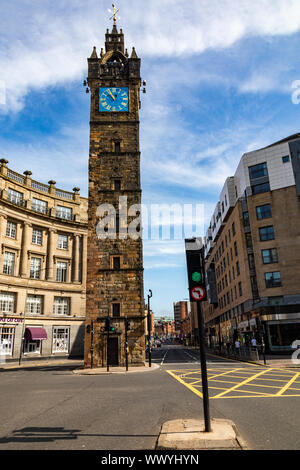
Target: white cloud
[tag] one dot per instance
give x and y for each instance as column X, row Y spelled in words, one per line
column 44, row 45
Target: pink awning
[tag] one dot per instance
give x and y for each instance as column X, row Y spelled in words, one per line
column 35, row 333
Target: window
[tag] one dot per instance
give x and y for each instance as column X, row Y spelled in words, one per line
column 34, row 304
column 15, row 197
column 246, row 219
column 285, row 159
column 39, row 206
column 248, row 240
column 9, row 263
column 35, row 268
column 31, row 346
column 269, row 256
column 37, row 236
column 260, row 188
column 62, row 242
column 61, row 271
column 117, row 146
column 263, row 212
column 64, row 212
column 237, row 268
column 233, row 229
column 266, row 233
column 7, row 302
column 273, row 279
column 117, row 185
column 116, row 310
column 11, row 230
column 258, row 171
column 116, row 262
column 240, row 289
column 235, row 292
column 235, row 249
column 251, row 261
column 61, row 306
column 61, row 340
column 7, row 335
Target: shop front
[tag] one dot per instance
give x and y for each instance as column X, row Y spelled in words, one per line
column 281, row 331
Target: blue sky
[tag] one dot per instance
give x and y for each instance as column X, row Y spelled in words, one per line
column 219, row 83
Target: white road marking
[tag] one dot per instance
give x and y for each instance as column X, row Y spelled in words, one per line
column 164, row 357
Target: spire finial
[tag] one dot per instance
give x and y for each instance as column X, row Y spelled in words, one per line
column 114, row 12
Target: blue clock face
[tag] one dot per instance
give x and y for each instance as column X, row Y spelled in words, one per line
column 114, row 99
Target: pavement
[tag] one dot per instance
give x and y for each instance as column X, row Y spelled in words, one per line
column 115, row 370
column 41, row 363
column 189, row 434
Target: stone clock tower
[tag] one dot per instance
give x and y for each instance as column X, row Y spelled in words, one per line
column 114, row 258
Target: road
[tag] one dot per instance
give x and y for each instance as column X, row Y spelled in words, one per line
column 50, row 408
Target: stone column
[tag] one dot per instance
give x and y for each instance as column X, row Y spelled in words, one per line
column 76, row 258
column 51, row 250
column 24, row 250
column 84, row 260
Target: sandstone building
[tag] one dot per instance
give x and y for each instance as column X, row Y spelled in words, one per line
column 115, row 261
column 252, row 251
column 43, row 246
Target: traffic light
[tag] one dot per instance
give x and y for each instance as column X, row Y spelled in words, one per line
column 196, row 273
column 108, row 326
column 127, row 325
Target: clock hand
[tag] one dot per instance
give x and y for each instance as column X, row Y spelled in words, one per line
column 111, row 95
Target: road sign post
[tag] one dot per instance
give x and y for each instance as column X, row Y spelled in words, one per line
column 197, row 289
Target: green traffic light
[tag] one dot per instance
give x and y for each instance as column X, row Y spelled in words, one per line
column 196, row 277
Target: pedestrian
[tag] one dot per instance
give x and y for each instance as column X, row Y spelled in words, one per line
column 253, row 343
column 237, row 347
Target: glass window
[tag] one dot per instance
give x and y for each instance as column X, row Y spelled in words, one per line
column 237, row 268
column 15, row 197
column 61, row 340
column 11, row 230
column 269, row 256
column 273, row 279
column 116, row 310
column 263, row 212
column 63, row 242
column 31, row 346
column 235, row 249
column 61, row 271
column 34, row 304
column 7, row 302
column 285, row 159
column 64, row 212
column 266, row 233
column 9, row 263
column 39, row 206
column 117, row 185
column 61, row 306
column 37, row 237
column 251, row 261
column 240, row 289
column 35, row 268
column 248, row 240
column 246, row 219
column 233, row 229
column 258, row 171
column 116, row 262
column 260, row 188
column 7, row 335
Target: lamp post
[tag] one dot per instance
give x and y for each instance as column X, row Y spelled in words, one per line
column 149, row 327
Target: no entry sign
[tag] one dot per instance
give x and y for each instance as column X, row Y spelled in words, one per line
column 198, row 293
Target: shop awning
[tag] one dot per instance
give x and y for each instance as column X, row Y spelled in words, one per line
column 35, row 333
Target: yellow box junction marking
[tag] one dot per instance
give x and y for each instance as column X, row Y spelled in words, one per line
column 249, row 377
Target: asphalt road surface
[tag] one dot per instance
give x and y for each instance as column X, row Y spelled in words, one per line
column 50, row 408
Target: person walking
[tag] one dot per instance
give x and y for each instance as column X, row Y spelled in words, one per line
column 237, row 347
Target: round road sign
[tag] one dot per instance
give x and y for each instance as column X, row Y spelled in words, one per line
column 198, row 293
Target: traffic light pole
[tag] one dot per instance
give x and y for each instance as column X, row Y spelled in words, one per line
column 126, row 343
column 203, row 370
column 107, row 355
column 149, row 327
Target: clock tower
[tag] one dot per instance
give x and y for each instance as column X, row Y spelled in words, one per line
column 115, row 311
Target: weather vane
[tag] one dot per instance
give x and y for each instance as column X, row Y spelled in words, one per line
column 114, row 12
